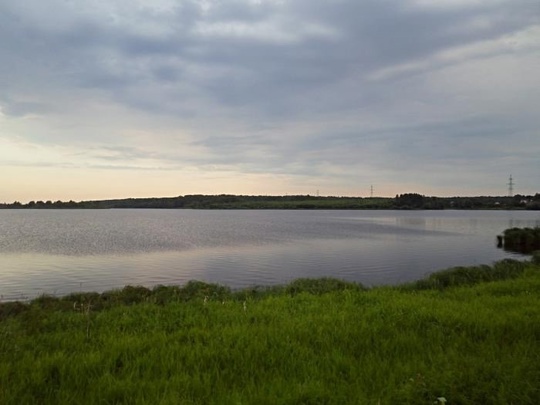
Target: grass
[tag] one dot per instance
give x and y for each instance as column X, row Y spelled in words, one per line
column 465, row 336
column 525, row 240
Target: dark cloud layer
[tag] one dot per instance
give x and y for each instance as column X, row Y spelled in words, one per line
column 407, row 89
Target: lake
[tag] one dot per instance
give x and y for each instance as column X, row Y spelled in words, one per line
column 61, row 251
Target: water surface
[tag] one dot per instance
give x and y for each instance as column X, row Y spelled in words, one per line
column 60, row 251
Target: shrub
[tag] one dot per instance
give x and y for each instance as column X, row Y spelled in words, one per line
column 536, row 257
column 9, row 309
column 199, row 289
column 162, row 294
column 457, row 276
column 46, row 301
column 523, row 240
column 320, row 286
column 127, row 295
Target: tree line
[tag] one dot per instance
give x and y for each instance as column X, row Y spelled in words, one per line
column 229, row 201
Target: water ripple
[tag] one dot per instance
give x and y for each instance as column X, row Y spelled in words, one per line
column 57, row 252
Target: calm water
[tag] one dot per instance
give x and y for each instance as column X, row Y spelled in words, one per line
column 60, row 251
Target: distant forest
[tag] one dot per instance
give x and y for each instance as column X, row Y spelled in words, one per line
column 226, row 201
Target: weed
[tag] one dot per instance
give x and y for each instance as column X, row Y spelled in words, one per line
column 458, row 276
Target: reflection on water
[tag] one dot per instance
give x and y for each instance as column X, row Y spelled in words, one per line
column 414, row 222
column 57, row 252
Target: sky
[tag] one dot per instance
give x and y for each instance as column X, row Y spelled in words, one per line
column 103, row 99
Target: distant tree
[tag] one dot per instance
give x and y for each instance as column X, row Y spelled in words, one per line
column 410, row 201
column 534, row 204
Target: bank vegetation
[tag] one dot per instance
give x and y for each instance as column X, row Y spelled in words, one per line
column 468, row 335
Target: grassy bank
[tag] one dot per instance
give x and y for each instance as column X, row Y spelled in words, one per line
column 465, row 336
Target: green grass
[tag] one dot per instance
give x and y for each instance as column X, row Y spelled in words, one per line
column 524, row 240
column 471, row 340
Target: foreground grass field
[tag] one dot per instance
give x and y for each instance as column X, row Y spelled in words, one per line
column 463, row 336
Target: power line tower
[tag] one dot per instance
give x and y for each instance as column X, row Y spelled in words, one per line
column 510, row 185
column 371, row 191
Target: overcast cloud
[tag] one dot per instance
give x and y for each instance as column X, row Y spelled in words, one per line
column 125, row 98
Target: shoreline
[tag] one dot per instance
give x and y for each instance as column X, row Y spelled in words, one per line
column 463, row 335
column 194, row 289
column 407, row 201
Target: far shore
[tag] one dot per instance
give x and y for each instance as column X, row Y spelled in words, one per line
column 226, row 201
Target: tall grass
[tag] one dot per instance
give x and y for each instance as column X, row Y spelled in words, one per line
column 458, row 276
column 524, row 240
column 311, row 342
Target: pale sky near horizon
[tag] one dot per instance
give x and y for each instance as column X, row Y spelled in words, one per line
column 108, row 99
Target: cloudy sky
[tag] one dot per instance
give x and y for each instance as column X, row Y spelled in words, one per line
column 130, row 98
